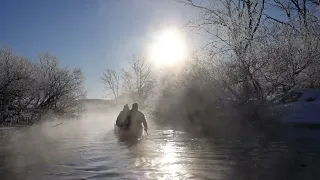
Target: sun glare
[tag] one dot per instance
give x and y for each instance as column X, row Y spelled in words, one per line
column 168, row 48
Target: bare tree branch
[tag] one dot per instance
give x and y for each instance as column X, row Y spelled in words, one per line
column 111, row 80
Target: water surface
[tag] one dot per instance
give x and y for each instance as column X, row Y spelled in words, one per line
column 89, row 149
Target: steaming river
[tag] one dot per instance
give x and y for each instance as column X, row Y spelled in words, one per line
column 88, row 149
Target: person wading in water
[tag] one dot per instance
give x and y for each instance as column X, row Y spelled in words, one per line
column 122, row 119
column 136, row 119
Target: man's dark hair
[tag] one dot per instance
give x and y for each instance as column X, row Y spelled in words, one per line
column 126, row 107
column 135, row 105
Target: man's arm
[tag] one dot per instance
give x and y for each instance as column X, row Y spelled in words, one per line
column 117, row 121
column 144, row 121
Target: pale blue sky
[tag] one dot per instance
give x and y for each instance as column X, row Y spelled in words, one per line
column 88, row 34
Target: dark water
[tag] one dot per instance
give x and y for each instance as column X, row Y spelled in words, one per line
column 88, row 149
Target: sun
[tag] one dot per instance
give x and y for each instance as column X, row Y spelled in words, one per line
column 168, row 48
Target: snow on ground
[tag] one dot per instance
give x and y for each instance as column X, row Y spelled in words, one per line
column 302, row 107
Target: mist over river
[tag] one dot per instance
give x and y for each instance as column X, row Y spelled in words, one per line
column 89, row 149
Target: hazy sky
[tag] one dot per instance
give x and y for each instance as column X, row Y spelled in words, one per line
column 88, row 34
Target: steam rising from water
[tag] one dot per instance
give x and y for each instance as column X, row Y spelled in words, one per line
column 55, row 140
column 88, row 149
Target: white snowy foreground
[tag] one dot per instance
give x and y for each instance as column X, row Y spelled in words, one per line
column 301, row 106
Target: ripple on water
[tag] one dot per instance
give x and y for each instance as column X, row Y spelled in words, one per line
column 94, row 152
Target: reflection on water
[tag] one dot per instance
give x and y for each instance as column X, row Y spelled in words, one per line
column 90, row 150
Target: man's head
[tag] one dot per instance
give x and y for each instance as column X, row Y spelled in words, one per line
column 126, row 108
column 135, row 106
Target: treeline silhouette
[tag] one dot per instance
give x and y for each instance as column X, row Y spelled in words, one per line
column 30, row 90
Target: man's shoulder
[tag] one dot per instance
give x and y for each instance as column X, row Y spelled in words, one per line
column 140, row 113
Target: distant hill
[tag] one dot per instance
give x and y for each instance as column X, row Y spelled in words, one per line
column 96, row 104
column 103, row 104
column 96, row 101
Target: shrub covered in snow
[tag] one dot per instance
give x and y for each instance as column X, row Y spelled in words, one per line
column 30, row 89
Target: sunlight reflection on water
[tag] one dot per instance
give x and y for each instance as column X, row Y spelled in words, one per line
column 169, row 162
column 88, row 149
